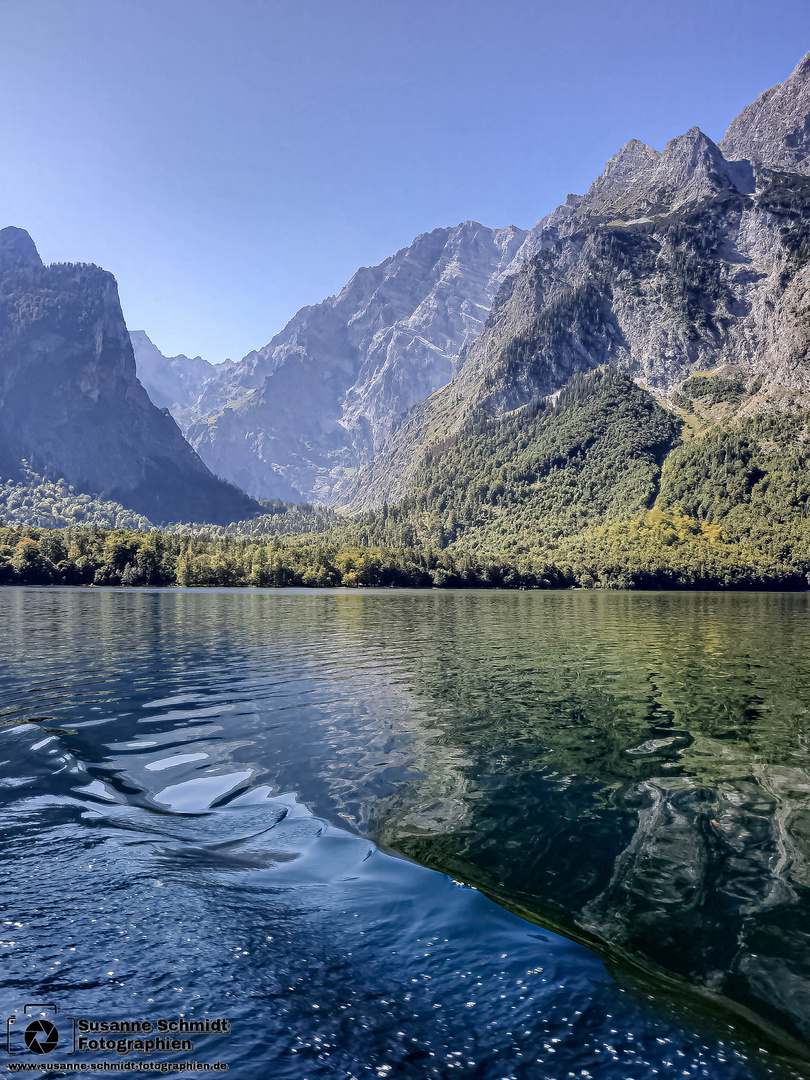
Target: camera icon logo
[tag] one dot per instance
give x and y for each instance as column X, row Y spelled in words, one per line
column 41, row 1036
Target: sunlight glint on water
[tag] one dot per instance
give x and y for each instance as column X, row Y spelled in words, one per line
column 192, row 784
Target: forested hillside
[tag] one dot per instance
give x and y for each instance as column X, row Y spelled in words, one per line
column 32, row 499
column 603, row 488
column 609, row 488
column 520, row 482
column 634, row 412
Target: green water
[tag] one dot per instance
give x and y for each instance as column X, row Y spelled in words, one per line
column 631, row 768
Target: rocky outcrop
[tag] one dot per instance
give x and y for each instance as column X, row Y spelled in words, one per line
column 299, row 417
column 71, row 404
column 641, row 180
column 774, row 130
column 17, row 251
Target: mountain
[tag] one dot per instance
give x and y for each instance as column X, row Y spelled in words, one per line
column 675, row 263
column 71, row 406
column 172, row 382
column 298, row 417
column 774, row 130
column 685, row 262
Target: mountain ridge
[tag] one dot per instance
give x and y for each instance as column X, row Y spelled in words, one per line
column 674, row 262
column 70, row 402
column 359, row 359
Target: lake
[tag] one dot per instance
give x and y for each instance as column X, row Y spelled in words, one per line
column 347, row 833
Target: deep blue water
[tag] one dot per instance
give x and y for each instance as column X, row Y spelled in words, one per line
column 193, row 785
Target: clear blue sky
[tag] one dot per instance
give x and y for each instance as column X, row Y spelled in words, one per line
column 232, row 160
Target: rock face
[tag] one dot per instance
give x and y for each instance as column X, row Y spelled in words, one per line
column 641, row 180
column 172, row 382
column 673, row 263
column 17, row 250
column 693, row 258
column 297, row 418
column 70, row 401
column 774, row 130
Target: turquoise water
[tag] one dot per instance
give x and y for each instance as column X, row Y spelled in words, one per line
column 602, row 800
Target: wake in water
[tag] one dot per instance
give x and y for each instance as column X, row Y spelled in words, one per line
column 153, row 873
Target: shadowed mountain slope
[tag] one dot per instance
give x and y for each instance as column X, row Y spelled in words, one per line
column 71, row 404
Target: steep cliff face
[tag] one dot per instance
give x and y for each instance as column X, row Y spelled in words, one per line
column 660, row 292
column 172, row 382
column 673, row 263
column 300, row 416
column 70, row 401
column 774, row 130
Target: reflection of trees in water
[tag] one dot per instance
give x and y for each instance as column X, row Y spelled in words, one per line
column 640, row 766
column 634, row 767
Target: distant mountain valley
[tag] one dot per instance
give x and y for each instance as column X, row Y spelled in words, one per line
column 683, row 272
column 685, row 262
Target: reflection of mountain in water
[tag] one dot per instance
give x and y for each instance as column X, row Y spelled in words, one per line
column 146, row 737
column 631, row 769
column 635, row 769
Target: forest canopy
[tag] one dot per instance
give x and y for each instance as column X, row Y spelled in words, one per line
column 600, row 489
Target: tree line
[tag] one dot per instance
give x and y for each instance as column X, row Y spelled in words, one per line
column 655, row 549
column 600, row 490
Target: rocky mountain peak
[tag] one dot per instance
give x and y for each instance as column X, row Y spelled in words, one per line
column 623, row 171
column 774, row 130
column 691, row 152
column 299, row 416
column 694, row 167
column 640, row 179
column 663, row 269
column 17, row 249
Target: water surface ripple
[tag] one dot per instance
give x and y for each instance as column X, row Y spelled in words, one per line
column 193, row 785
